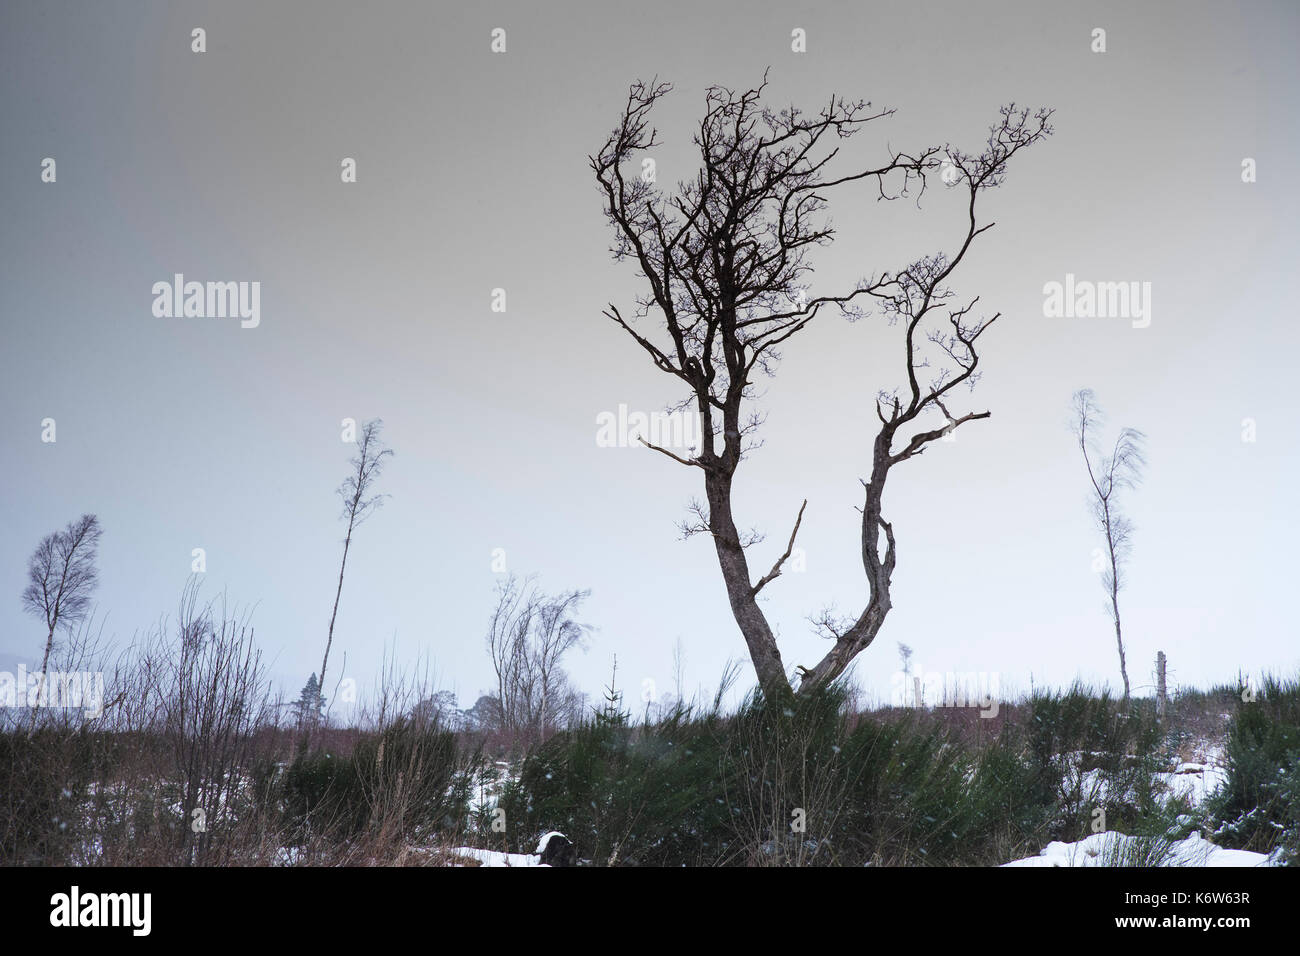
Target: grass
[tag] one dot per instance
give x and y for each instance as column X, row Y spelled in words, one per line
column 819, row 784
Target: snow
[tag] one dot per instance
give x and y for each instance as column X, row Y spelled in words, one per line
column 541, row 844
column 1195, row 781
column 1099, row 848
column 288, row 856
column 496, row 857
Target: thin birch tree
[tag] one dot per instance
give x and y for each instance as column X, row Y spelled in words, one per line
column 1108, row 475
column 61, row 577
column 359, row 502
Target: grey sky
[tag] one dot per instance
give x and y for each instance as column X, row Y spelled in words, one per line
column 184, row 433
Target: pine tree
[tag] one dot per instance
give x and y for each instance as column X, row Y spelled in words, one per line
column 310, row 704
column 612, row 713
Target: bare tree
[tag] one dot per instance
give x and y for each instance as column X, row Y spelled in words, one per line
column 1107, row 475
column 507, row 643
column 210, row 694
column 529, row 634
column 358, row 504
column 555, row 634
column 725, row 257
column 62, row 575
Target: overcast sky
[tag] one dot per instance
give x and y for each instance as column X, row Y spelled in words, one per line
column 472, row 174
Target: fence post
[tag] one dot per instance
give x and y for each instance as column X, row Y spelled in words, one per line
column 1162, row 697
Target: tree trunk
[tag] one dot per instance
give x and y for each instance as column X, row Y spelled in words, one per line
column 1119, row 643
column 45, row 663
column 1114, row 599
column 1162, row 690
column 740, row 592
column 329, row 640
column 879, row 574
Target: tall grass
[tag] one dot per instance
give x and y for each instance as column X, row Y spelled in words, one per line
column 192, row 726
column 190, row 764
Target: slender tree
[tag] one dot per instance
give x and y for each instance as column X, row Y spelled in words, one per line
column 1107, row 476
column 61, row 577
column 725, row 259
column 359, row 502
column 528, row 637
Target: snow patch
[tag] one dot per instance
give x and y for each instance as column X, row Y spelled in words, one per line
column 496, row 857
column 1101, row 849
column 546, row 838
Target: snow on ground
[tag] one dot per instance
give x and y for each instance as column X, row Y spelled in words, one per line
column 1195, row 781
column 490, row 786
column 496, row 857
column 288, row 856
column 1103, row 849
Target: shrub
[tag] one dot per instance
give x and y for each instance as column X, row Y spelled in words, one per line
column 1259, row 806
column 45, row 775
column 803, row 785
column 408, row 782
column 1102, row 754
column 625, row 793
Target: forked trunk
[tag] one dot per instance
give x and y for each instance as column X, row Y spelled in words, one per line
column 744, row 604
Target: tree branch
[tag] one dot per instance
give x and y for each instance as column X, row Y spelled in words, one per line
column 776, row 568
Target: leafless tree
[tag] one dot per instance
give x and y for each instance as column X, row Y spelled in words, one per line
column 62, row 575
column 1107, row 476
column 206, row 690
column 529, row 634
column 358, row 504
column 725, row 259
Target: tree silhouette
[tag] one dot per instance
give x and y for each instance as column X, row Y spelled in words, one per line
column 725, row 259
column 61, row 576
column 1121, row 469
column 358, row 504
